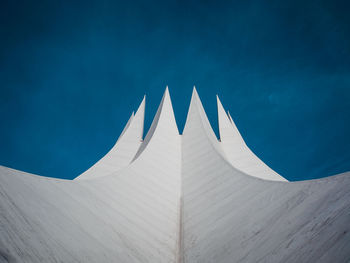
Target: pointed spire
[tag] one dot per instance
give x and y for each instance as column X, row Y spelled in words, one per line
column 219, row 104
column 194, row 90
column 224, row 122
column 197, row 123
column 234, row 126
column 163, row 120
column 227, row 127
column 117, row 158
column 236, row 150
column 195, row 98
column 196, row 107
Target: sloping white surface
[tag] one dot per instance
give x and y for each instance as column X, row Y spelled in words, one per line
column 131, row 215
column 197, row 107
column 229, row 216
column 123, row 151
column 179, row 200
column 238, row 153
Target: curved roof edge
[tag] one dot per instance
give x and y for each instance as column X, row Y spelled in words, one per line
column 124, row 149
column 237, row 152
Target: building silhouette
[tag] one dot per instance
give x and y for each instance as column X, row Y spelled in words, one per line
column 175, row 198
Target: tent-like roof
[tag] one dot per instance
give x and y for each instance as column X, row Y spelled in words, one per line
column 175, row 198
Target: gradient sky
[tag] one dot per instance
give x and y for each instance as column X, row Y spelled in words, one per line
column 71, row 73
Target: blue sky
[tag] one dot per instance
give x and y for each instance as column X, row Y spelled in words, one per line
column 71, row 73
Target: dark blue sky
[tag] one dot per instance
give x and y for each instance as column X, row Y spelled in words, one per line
column 71, row 72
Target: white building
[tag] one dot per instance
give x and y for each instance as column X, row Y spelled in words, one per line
column 175, row 198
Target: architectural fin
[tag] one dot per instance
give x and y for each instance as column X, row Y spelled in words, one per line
column 123, row 151
column 197, row 118
column 197, row 107
column 227, row 127
column 163, row 122
column 237, row 152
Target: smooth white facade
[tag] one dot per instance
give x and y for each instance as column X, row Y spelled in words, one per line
column 175, row 198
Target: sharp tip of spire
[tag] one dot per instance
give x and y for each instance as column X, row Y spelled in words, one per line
column 218, row 101
column 143, row 99
column 194, row 92
column 166, row 92
column 141, row 108
column 166, row 95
